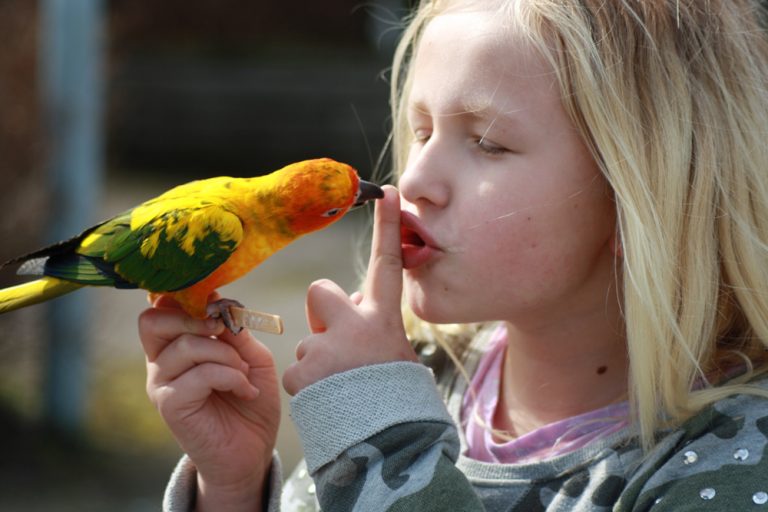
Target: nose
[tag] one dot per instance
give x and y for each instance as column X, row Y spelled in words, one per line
column 426, row 178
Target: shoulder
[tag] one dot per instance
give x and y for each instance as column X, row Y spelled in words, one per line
column 719, row 456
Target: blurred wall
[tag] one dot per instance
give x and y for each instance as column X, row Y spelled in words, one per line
column 21, row 192
column 243, row 87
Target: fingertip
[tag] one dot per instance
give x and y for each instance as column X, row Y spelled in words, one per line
column 323, row 289
column 389, row 190
column 324, row 283
column 248, row 393
column 214, row 325
column 390, row 201
column 317, row 283
column 163, row 301
column 325, row 301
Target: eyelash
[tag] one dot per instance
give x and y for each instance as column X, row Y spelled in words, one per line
column 489, row 148
column 492, row 149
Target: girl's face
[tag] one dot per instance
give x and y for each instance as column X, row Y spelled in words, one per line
column 505, row 213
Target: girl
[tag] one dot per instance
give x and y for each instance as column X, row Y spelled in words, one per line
column 582, row 228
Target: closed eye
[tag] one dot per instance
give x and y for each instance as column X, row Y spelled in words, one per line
column 332, row 212
column 489, row 147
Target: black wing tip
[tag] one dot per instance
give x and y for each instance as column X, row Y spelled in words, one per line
column 56, row 249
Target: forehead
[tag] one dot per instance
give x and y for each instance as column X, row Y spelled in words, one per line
column 475, row 59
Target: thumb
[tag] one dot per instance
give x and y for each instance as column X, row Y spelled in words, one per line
column 325, row 300
column 384, row 280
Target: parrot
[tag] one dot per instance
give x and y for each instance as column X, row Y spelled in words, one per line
column 196, row 237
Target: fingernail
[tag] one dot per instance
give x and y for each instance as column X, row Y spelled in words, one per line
column 211, row 323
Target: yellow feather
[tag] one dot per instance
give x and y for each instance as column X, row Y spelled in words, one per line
column 149, row 244
column 34, row 292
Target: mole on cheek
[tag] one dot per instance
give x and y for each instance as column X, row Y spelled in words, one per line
column 602, row 369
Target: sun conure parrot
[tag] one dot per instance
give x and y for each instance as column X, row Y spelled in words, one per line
column 195, row 237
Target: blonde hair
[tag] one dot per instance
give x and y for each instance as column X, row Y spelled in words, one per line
column 672, row 99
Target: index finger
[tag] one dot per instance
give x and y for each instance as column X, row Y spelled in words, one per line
column 384, row 280
column 160, row 326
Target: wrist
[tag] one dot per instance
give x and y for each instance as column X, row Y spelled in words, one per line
column 247, row 495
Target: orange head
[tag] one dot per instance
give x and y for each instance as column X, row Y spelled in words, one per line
column 318, row 192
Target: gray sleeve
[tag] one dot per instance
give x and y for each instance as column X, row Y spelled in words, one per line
column 181, row 492
column 380, row 438
column 344, row 409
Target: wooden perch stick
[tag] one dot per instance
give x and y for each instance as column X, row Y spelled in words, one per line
column 257, row 320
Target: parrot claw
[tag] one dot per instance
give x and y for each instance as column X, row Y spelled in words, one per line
column 220, row 309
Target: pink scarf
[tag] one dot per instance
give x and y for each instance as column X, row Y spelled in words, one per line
column 557, row 438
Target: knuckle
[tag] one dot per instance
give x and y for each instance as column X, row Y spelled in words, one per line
column 215, row 374
column 184, row 344
column 160, row 397
column 191, row 325
column 303, row 346
column 151, row 389
column 147, row 321
column 163, row 401
column 386, row 259
column 153, row 385
column 208, row 371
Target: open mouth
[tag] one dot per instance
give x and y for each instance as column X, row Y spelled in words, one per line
column 416, row 244
column 409, row 237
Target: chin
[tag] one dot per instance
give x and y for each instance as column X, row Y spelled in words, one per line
column 421, row 306
column 435, row 311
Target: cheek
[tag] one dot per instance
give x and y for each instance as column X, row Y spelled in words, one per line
column 519, row 253
column 501, row 236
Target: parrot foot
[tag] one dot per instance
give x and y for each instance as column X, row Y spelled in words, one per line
column 220, row 309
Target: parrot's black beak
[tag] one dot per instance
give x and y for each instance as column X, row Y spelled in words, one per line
column 367, row 191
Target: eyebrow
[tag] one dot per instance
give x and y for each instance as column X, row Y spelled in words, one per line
column 485, row 111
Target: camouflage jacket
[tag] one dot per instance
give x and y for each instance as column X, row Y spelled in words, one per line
column 384, row 438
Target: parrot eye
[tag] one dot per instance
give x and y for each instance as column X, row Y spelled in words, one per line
column 332, row 212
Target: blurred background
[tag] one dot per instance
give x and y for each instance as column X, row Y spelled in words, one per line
column 106, row 103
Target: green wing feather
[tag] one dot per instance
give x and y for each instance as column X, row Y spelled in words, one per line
column 172, row 250
column 157, row 250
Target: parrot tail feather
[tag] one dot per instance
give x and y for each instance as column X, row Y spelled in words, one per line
column 34, row 292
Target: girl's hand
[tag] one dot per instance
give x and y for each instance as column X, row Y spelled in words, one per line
column 218, row 394
column 348, row 332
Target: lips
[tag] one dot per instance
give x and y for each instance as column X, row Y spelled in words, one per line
column 416, row 244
